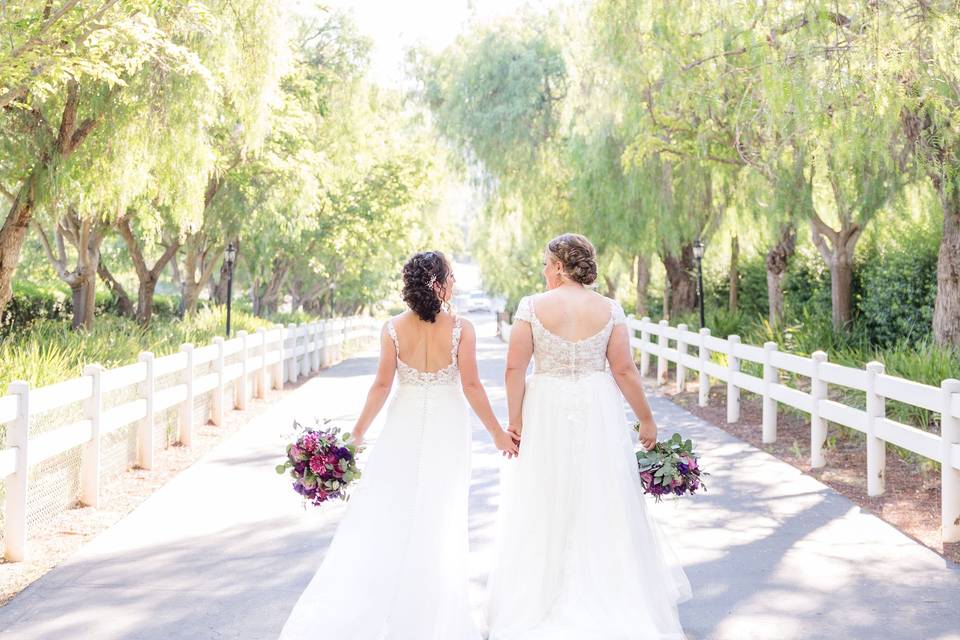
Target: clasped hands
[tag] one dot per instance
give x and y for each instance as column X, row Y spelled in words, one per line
column 508, row 441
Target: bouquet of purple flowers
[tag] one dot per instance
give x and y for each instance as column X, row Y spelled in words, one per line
column 670, row 467
column 322, row 464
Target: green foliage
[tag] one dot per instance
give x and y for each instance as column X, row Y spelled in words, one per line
column 899, row 288
column 49, row 351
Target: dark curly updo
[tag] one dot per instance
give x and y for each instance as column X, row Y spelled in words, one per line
column 419, row 274
column 577, row 257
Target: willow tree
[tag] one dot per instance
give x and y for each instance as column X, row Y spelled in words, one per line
column 665, row 58
column 496, row 96
column 247, row 52
column 923, row 67
column 61, row 84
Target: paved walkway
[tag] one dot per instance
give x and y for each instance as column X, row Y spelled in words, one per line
column 224, row 549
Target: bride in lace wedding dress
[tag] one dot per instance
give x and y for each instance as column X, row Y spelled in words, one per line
column 579, row 556
column 397, row 566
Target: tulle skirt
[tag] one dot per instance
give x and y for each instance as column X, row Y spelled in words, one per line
column 580, row 557
column 397, row 566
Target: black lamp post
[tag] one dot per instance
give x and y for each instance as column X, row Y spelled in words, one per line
column 229, row 256
column 698, row 254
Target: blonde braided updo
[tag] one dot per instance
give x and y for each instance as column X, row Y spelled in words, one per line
column 576, row 255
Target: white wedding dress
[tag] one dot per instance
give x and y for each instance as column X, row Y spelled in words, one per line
column 579, row 556
column 397, row 566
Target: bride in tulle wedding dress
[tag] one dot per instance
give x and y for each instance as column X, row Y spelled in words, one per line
column 397, row 566
column 579, row 556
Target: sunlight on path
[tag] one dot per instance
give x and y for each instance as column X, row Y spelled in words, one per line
column 224, row 550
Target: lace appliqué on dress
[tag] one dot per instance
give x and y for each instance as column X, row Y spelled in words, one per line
column 411, row 376
column 570, row 359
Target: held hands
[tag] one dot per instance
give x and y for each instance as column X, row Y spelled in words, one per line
column 648, row 433
column 508, row 442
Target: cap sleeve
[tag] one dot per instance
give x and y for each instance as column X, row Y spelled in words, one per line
column 619, row 317
column 523, row 310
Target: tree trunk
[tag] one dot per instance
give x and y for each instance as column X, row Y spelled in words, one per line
column 85, row 236
column 64, row 141
column 611, row 286
column 680, row 275
column 836, row 248
column 266, row 294
column 190, row 296
column 13, row 232
column 946, row 311
column 218, row 289
column 734, row 272
column 83, row 298
column 145, row 294
column 643, row 284
column 124, row 304
column 147, row 276
column 777, row 262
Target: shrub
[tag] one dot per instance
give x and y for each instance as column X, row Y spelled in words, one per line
column 31, row 303
column 49, row 351
column 900, row 287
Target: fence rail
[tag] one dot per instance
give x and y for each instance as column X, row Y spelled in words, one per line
column 672, row 344
column 267, row 358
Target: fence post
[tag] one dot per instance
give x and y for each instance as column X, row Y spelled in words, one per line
column 240, row 389
column 314, row 346
column 704, row 353
column 733, row 391
column 18, row 435
column 644, row 341
column 218, row 392
column 145, row 432
column 293, row 372
column 186, row 408
column 681, row 351
column 262, row 374
column 876, row 448
column 662, row 344
column 321, row 343
column 278, row 369
column 304, row 368
column 818, row 426
column 770, row 378
column 90, row 454
column 950, row 476
column 322, row 351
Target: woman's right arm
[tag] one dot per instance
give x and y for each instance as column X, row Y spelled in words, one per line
column 519, row 353
column 624, row 371
column 380, row 388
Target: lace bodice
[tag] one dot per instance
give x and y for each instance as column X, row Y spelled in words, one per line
column 411, row 376
column 564, row 358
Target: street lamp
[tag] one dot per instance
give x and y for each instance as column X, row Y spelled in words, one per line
column 229, row 256
column 698, row 254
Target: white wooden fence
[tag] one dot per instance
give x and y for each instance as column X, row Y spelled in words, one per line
column 673, row 344
column 265, row 359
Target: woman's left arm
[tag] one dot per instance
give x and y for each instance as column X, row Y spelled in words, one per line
column 380, row 389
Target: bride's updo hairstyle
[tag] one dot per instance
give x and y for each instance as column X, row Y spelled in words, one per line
column 577, row 257
column 419, row 275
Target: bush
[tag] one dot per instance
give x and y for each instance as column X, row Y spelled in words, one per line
column 899, row 288
column 31, row 303
column 49, row 351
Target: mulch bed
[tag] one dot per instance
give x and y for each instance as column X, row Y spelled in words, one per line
column 120, row 494
column 911, row 501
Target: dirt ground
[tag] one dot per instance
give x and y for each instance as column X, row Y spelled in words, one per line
column 911, row 501
column 119, row 495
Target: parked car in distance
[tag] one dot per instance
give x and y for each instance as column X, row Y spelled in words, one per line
column 479, row 302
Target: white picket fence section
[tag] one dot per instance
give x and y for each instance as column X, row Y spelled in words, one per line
column 673, row 344
column 267, row 357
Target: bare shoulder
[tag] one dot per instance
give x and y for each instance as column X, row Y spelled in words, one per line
column 466, row 326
